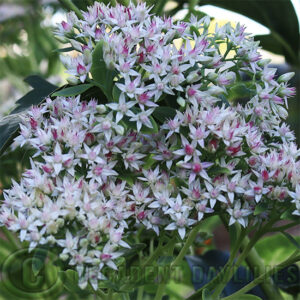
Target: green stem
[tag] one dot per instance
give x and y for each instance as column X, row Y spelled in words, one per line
column 227, row 271
column 162, row 286
column 155, row 254
column 187, row 245
column 223, row 272
column 140, row 293
column 101, row 294
column 256, row 264
column 71, row 6
column 125, row 296
column 110, row 294
column 292, row 259
column 284, row 227
column 160, row 292
column 160, row 249
column 249, row 253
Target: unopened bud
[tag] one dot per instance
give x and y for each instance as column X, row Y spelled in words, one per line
column 72, row 80
column 193, row 77
column 61, row 39
column 119, row 129
column 205, row 59
column 212, row 76
column 96, row 261
column 51, row 239
column 87, row 56
column 76, row 45
column 60, row 222
column 286, row 77
column 101, row 108
column 215, row 90
column 264, row 62
column 181, row 101
column 282, row 112
column 83, row 242
column 63, row 256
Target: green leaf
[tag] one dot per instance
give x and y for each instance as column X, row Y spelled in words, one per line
column 8, row 131
column 223, row 101
column 274, row 249
column 291, row 239
column 195, row 30
column 149, row 162
column 132, row 125
column 196, row 13
column 68, row 49
column 41, row 89
column 268, row 42
column 233, row 235
column 128, row 178
column 102, row 76
column 73, row 90
column 215, row 170
column 134, row 250
column 9, row 125
column 260, row 208
column 163, row 113
column 239, row 91
column 288, row 215
column 116, row 93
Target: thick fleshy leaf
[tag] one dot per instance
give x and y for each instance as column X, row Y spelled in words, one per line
column 41, row 89
column 260, row 208
column 291, row 239
column 275, row 248
column 73, row 90
column 239, row 91
column 8, row 131
column 9, row 125
column 163, row 113
column 68, row 49
column 102, row 76
column 134, row 250
column 268, row 42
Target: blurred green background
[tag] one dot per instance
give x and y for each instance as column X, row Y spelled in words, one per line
column 27, row 47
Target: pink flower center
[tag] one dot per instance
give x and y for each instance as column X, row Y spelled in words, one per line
column 189, row 150
column 98, row 170
column 197, row 168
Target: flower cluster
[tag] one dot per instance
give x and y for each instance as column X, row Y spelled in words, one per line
column 197, row 147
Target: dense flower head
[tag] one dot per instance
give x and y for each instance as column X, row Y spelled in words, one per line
column 196, row 148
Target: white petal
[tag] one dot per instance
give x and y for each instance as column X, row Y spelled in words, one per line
column 181, row 232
